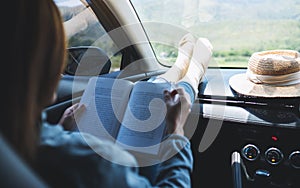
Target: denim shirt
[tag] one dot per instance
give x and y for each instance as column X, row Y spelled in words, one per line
column 66, row 160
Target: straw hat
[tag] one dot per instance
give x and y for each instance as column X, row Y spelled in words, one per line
column 273, row 73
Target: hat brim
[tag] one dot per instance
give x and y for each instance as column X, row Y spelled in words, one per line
column 242, row 85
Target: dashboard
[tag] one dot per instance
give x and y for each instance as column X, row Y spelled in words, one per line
column 265, row 132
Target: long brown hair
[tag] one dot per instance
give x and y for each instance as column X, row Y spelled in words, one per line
column 36, row 50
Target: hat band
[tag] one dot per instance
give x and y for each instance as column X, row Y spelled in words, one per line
column 277, row 80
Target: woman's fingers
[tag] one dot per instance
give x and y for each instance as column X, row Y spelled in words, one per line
column 167, row 96
column 79, row 109
column 76, row 109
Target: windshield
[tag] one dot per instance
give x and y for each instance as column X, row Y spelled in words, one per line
column 236, row 28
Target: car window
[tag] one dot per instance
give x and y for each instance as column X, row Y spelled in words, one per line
column 83, row 29
column 236, row 28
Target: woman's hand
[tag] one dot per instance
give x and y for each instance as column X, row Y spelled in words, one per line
column 178, row 108
column 68, row 118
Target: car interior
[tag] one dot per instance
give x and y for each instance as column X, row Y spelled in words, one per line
column 238, row 141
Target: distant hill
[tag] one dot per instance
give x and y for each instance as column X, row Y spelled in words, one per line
column 254, row 9
column 172, row 10
column 236, row 28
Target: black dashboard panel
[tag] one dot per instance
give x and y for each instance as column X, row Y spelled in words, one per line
column 264, row 131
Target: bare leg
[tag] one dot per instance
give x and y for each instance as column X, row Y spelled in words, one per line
column 201, row 56
column 180, row 67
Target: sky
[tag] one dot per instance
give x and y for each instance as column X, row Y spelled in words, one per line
column 68, row 2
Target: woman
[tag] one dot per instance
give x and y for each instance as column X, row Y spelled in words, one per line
column 36, row 49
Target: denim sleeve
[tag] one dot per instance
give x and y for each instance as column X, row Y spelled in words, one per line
column 74, row 159
column 177, row 165
column 65, row 159
column 175, row 168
